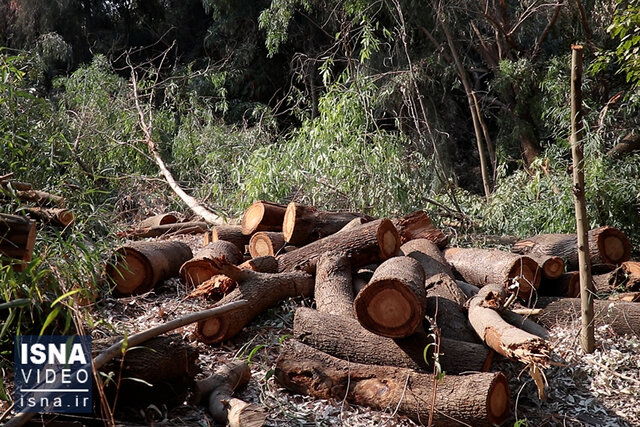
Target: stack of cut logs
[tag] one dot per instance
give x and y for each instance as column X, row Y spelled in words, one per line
column 18, row 233
column 393, row 305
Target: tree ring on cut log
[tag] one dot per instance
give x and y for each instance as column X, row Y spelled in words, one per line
column 389, row 239
column 252, row 217
column 263, row 247
column 612, row 247
column 210, row 330
column 130, row 271
column 386, row 309
column 527, row 272
column 498, row 400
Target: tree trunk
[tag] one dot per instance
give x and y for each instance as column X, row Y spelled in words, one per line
column 219, row 285
column 369, row 243
column 161, row 219
column 478, row 399
column 481, row 267
column 138, row 266
column 201, row 267
column 418, row 225
column 621, row 317
column 304, row 224
column 165, row 230
column 501, row 336
column 54, row 216
column 262, row 290
column 266, row 243
column 625, row 278
column 393, row 304
column 346, row 339
column 263, row 216
column 567, row 285
column 220, row 387
column 168, row 363
column 334, row 290
column 428, row 255
column 17, row 238
column 552, row 267
column 229, row 233
column 445, row 305
column 608, row 247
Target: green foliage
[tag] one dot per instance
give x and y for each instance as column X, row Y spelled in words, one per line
column 626, row 29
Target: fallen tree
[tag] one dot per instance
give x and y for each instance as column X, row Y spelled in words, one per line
column 478, row 399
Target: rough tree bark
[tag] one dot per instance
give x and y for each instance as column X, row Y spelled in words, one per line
column 393, row 304
column 418, row 225
column 481, row 267
column 138, row 266
column 334, row 289
column 478, row 399
column 304, row 224
column 17, row 239
column 608, row 247
column 218, row 390
column 621, row 317
column 428, row 255
column 369, row 243
column 201, row 267
column 262, row 290
column 344, row 338
column 263, row 216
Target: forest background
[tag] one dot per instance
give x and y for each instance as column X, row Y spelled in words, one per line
column 460, row 108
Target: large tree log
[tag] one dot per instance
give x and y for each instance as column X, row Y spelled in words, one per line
column 17, row 238
column 429, row 255
column 160, row 372
column 551, row 267
column 369, row 243
column 346, row 339
column 266, row 243
column 393, row 304
column 262, row 290
column 507, row 340
column 481, row 267
column 160, row 219
column 418, row 226
column 230, row 233
column 138, row 266
column 201, row 267
column 219, row 389
column 622, row 317
column 445, row 306
column 54, row 216
column 304, row 224
column 625, row 278
column 263, row 216
column 195, row 227
column 334, row 290
column 220, row 285
column 477, row 399
column 567, row 285
column 608, row 247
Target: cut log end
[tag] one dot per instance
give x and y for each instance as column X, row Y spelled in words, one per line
column 389, row 239
column 252, row 217
column 212, row 330
column 196, row 272
column 614, row 246
column 130, row 271
column 289, row 223
column 388, row 310
column 498, row 400
column 527, row 272
column 552, row 267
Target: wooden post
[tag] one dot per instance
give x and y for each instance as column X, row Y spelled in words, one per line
column 582, row 224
